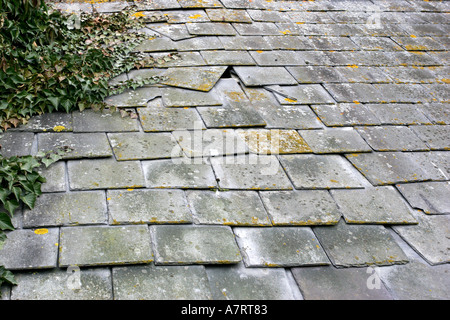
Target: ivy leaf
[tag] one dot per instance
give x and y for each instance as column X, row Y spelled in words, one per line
column 11, row 206
column 7, row 276
column 29, row 199
column 5, row 222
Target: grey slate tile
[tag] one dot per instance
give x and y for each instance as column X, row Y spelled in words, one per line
column 186, row 16
column 304, row 207
column 331, row 283
column 435, row 163
column 410, row 74
column 256, row 172
column 359, row 245
column 177, row 97
column 55, row 175
column 211, row 29
column 190, row 4
column 181, row 59
column 321, row 172
column 104, row 245
column 335, row 140
column 142, row 145
column 74, row 208
column 289, row 42
column 263, row 76
column 156, row 44
column 398, row 114
column 437, row 137
column 228, row 15
column 195, row 78
column 240, row 283
column 148, row 206
column 392, row 138
column 152, row 282
column 194, row 245
column 245, row 43
column 58, row 284
column 104, row 174
column 438, row 113
column 92, row 121
column 200, row 43
column 83, row 145
column 315, row 74
column 379, row 205
column 267, row 16
column 354, row 73
column 345, row 114
column 234, row 208
column 350, row 92
column 228, row 58
column 158, row 4
column 175, row 32
column 304, row 94
column 431, row 197
column 375, row 43
column 257, row 29
column 47, row 122
column 182, row 173
column 26, row 249
column 277, row 58
column 134, row 98
column 280, row 247
column 232, row 115
column 16, row 144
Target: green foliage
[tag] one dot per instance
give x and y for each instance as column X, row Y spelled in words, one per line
column 50, row 61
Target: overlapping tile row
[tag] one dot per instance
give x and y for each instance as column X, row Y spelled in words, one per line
column 291, row 144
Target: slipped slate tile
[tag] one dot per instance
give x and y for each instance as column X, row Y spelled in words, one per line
column 379, row 205
column 148, row 207
column 179, row 173
column 16, row 144
column 430, row 238
column 73, row 208
column 234, row 208
column 228, row 15
column 143, row 145
column 331, row 283
column 211, row 29
column 160, row 283
column 256, row 172
column 83, row 145
column 321, row 172
column 336, row 140
column 55, row 175
column 92, row 121
column 156, row 118
column 437, row 137
column 431, row 197
column 392, row 138
column 177, row 97
column 305, row 207
column 359, row 245
column 104, row 245
column 264, row 76
column 303, row 94
column 274, row 141
column 240, row 283
column 279, row 247
column 234, row 115
column 345, row 114
column 104, row 174
column 30, row 249
column 398, row 114
column 195, row 78
column 228, row 58
column 194, row 245
column 94, row 284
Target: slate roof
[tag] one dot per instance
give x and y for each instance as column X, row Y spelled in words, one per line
column 322, row 165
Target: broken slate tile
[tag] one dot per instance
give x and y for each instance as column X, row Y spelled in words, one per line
column 345, row 114
column 398, row 114
column 431, row 197
column 379, row 205
column 335, row 140
column 303, row 94
column 152, row 282
column 93, row 121
column 179, row 173
column 264, row 76
column 331, row 283
column 55, row 176
column 175, row 32
column 321, row 172
column 359, row 245
column 256, row 172
column 30, row 249
column 83, row 145
column 156, row 118
column 280, row 247
column 143, row 145
column 148, row 207
column 195, row 78
column 104, row 245
column 194, row 245
column 240, row 283
column 211, row 29
column 16, row 144
column 104, row 174
column 429, row 238
column 392, row 138
column 73, row 208
column 59, row 284
column 177, row 97
column 437, row 137
column 305, row 207
column 234, row 208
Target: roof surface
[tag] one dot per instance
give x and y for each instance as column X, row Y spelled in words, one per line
column 295, row 150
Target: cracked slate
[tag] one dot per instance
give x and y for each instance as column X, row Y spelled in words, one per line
column 195, row 78
column 104, row 245
column 305, row 207
column 263, row 76
column 148, row 206
column 280, row 247
column 194, row 245
column 431, row 197
column 152, row 282
column 379, row 205
column 359, row 245
column 237, row 208
column 95, row 284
